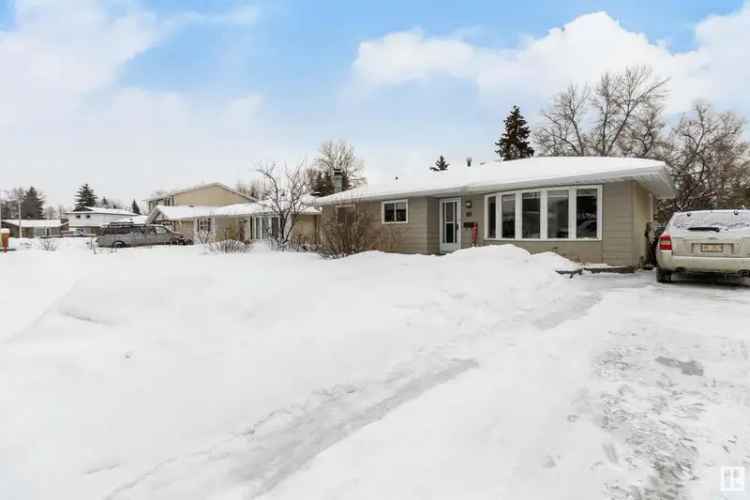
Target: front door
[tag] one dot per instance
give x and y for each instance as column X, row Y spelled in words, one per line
column 450, row 225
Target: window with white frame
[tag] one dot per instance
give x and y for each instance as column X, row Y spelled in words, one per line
column 561, row 213
column 531, row 215
column 204, row 225
column 492, row 217
column 507, row 216
column 558, row 214
column 395, row 212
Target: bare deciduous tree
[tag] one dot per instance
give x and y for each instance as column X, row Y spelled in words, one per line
column 255, row 189
column 619, row 116
column 709, row 160
column 352, row 228
column 286, row 193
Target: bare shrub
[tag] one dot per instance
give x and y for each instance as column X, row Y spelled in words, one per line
column 228, row 246
column 351, row 229
column 48, row 244
column 302, row 243
column 203, row 238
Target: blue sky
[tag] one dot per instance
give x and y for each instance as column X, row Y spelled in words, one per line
column 134, row 96
column 302, row 46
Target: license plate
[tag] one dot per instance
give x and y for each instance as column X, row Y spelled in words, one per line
column 712, row 248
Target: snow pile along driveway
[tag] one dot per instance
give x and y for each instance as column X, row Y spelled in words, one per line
column 166, row 373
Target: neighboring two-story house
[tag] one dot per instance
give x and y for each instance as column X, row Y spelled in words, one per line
column 92, row 219
column 214, row 194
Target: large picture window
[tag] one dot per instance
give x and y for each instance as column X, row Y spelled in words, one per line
column 508, row 216
column 395, row 212
column 558, row 214
column 586, row 213
column 491, row 216
column 561, row 213
column 531, row 215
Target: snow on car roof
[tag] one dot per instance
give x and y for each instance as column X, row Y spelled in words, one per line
column 104, row 211
column 728, row 220
column 35, row 222
column 516, row 174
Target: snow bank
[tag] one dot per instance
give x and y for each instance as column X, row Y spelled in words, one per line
column 156, row 356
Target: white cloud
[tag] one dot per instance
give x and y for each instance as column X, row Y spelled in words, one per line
column 578, row 52
column 239, row 15
column 66, row 118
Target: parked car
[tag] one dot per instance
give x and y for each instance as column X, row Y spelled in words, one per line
column 705, row 241
column 132, row 235
column 76, row 233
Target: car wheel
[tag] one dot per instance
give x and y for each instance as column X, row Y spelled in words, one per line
column 663, row 276
column 118, row 244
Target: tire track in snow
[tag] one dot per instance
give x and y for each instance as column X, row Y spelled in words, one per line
column 275, row 447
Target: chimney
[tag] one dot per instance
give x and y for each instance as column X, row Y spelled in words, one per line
column 468, row 161
column 338, row 180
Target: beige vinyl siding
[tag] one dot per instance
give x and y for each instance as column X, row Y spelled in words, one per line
column 185, row 227
column 617, row 243
column 433, row 225
column 209, row 196
column 413, row 236
column 306, row 229
column 642, row 215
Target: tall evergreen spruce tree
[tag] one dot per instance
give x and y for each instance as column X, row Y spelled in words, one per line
column 85, row 197
column 135, row 208
column 440, row 165
column 32, row 206
column 514, row 143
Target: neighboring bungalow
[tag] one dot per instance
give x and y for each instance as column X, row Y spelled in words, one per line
column 214, row 194
column 28, row 228
column 243, row 221
column 588, row 209
column 92, row 219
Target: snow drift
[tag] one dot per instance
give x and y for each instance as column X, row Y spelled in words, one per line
column 151, row 358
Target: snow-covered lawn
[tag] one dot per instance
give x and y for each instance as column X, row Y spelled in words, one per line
column 170, row 373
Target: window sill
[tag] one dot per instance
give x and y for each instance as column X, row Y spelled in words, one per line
column 394, row 223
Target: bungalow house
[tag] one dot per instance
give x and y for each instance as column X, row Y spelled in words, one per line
column 589, row 209
column 92, row 219
column 243, row 222
column 214, row 194
column 28, row 228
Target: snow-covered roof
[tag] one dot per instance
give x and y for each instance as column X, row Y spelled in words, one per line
column 516, row 174
column 35, row 223
column 103, row 211
column 137, row 219
column 197, row 187
column 188, row 212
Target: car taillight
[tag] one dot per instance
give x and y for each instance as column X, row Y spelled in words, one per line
column 665, row 242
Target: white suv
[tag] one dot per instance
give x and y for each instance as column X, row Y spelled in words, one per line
column 705, row 241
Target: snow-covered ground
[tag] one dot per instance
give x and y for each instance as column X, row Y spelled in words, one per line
column 172, row 373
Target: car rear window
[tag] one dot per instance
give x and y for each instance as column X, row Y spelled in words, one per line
column 117, row 230
column 724, row 221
